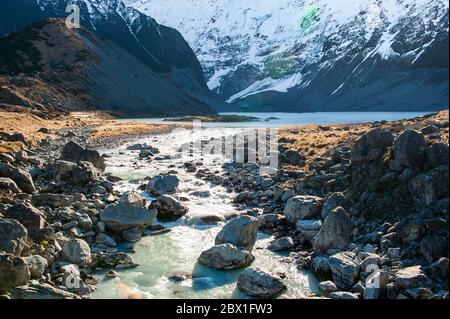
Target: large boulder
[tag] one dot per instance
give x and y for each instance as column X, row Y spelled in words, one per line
column 7, row 184
column 410, row 149
column 163, row 184
column 36, row 265
column 345, row 269
column 35, row 290
column 13, row 272
column 226, row 256
column 76, row 251
column 169, row 208
column 375, row 141
column 335, row 232
column 257, row 283
column 81, row 173
column 411, row 277
column 437, row 154
column 28, row 216
column 302, row 207
column 13, row 236
column 73, row 152
column 332, row 201
column 84, row 173
column 431, row 186
column 22, row 178
column 241, row 231
column 130, row 212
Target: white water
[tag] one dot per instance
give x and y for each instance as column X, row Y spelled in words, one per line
column 160, row 256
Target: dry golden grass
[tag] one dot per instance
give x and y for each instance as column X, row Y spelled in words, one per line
column 113, row 129
column 101, row 126
column 11, row 147
column 320, row 140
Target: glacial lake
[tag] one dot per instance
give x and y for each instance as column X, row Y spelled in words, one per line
column 289, row 119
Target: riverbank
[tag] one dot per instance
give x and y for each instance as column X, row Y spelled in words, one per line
column 344, row 195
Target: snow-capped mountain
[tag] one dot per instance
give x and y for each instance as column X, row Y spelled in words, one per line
column 175, row 81
column 299, row 55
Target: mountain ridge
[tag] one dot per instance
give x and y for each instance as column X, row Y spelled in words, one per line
column 175, row 79
column 296, row 55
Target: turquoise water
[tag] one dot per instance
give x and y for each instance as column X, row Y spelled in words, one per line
column 290, row 119
column 161, row 256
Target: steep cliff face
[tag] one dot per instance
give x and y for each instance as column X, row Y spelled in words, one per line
column 298, row 55
column 141, row 66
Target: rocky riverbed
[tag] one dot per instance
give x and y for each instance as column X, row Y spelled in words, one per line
column 365, row 209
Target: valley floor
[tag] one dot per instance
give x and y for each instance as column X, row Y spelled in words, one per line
column 346, row 197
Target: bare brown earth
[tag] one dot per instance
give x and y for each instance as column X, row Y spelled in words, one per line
column 100, row 126
column 320, row 140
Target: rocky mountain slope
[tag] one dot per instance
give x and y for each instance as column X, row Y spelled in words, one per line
column 297, row 55
column 131, row 63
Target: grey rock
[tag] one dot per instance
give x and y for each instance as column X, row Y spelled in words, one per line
column 76, row 251
column 241, row 232
column 30, row 217
column 376, row 139
column 22, row 178
column 309, row 228
column 431, row 186
column 81, row 173
column 206, row 219
column 258, row 283
column 112, row 260
column 13, row 236
column 343, row 295
column 302, row 207
column 7, row 184
column 132, row 235
column 437, row 154
column 226, row 256
column 51, row 200
column 163, row 184
column 169, row 208
column 345, row 269
column 36, row 265
column 410, row 149
column 130, row 212
column 282, row 244
column 73, row 152
column 35, row 290
column 335, row 232
column 430, row 129
column 13, row 272
column 326, row 288
column 333, row 201
column 411, row 277
column 104, row 239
